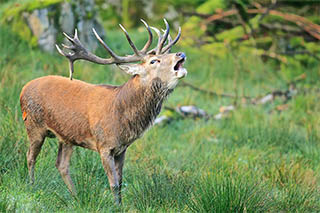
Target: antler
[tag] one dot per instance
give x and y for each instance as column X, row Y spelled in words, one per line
column 162, row 38
column 167, row 48
column 78, row 51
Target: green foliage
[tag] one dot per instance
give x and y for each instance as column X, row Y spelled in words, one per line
column 192, row 28
column 182, row 3
column 210, row 6
column 287, row 44
column 11, row 14
column 15, row 9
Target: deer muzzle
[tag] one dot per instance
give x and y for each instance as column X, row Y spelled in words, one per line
column 178, row 68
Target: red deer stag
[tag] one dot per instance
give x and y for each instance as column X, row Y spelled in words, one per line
column 103, row 118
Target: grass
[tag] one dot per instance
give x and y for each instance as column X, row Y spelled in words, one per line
column 256, row 160
column 221, row 193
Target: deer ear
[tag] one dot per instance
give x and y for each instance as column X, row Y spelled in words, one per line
column 132, row 69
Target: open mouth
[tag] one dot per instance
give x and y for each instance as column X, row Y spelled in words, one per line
column 179, row 64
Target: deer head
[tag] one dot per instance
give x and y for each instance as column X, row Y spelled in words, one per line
column 156, row 63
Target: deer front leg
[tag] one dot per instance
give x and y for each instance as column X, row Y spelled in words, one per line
column 109, row 165
column 119, row 161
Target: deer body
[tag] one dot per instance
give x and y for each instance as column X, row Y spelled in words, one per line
column 103, row 118
column 89, row 115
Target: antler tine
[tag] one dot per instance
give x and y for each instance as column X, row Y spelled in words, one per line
column 68, row 37
column 154, row 50
column 69, row 57
column 71, row 70
column 169, row 41
column 168, row 47
column 159, row 35
column 66, row 46
column 76, row 34
column 135, row 50
column 169, row 37
column 105, row 45
column 164, row 38
column 149, row 42
column 60, row 51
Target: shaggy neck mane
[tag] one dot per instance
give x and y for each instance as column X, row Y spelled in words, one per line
column 139, row 105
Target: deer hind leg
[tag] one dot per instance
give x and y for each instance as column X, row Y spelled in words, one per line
column 36, row 139
column 63, row 163
column 109, row 165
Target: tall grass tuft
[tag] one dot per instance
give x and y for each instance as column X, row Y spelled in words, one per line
column 229, row 194
column 159, row 192
column 295, row 198
column 5, row 204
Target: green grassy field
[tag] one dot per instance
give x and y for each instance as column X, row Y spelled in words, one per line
column 256, row 160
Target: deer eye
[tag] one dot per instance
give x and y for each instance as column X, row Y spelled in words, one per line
column 154, row 61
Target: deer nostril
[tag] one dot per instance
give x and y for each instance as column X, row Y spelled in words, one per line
column 181, row 54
